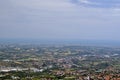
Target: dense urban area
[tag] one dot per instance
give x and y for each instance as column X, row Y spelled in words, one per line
column 59, row 62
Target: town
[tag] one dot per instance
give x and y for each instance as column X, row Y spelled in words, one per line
column 59, row 62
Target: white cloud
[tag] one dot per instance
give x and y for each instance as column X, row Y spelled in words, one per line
column 43, row 4
column 99, row 3
column 85, row 1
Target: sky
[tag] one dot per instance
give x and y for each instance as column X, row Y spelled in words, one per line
column 60, row 19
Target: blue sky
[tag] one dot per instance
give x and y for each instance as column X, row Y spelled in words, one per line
column 60, row 19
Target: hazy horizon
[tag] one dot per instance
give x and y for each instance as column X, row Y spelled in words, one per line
column 62, row 42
